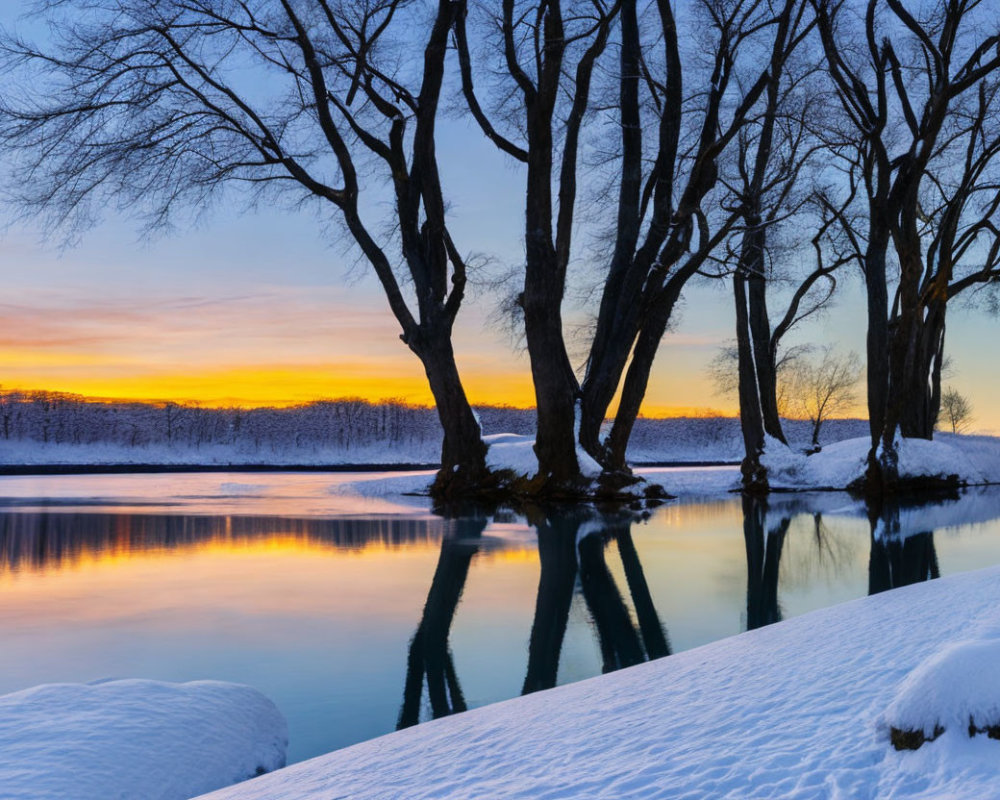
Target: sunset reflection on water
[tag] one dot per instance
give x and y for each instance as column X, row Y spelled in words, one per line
column 301, row 586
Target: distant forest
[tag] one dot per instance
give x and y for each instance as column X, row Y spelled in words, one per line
column 60, row 418
column 388, row 431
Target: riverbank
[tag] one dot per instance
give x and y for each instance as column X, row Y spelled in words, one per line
column 796, row 709
column 956, row 460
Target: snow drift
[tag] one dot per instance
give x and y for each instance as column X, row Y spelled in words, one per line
column 135, row 740
column 793, row 710
column 971, row 460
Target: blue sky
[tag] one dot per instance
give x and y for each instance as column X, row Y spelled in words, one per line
column 269, row 305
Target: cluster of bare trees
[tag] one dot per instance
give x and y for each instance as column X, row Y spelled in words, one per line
column 766, row 142
column 921, row 128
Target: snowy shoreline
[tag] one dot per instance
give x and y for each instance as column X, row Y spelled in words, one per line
column 139, row 468
column 797, row 709
column 958, row 460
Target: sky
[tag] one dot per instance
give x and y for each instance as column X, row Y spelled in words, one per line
column 261, row 308
column 269, row 306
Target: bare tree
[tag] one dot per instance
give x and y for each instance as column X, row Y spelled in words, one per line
column 919, row 92
column 723, row 371
column 667, row 226
column 549, row 52
column 824, row 387
column 158, row 106
column 770, row 156
column 956, row 410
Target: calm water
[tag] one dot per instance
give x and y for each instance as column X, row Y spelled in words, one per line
column 357, row 615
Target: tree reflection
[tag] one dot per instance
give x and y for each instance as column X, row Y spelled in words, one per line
column 574, row 547
column 764, row 541
column 556, row 585
column 616, row 634
column 47, row 540
column 572, row 550
column 654, row 635
column 429, row 656
column 897, row 559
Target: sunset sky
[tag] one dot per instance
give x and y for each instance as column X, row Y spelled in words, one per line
column 269, row 306
column 257, row 309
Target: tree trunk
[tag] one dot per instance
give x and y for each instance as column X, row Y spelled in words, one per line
column 751, row 415
column 817, row 424
column 637, row 377
column 617, row 318
column 555, row 383
column 556, row 387
column 463, row 453
column 921, row 401
column 608, row 359
column 883, row 472
column 764, row 355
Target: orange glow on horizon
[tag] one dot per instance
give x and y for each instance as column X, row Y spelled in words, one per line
column 288, row 387
column 251, row 387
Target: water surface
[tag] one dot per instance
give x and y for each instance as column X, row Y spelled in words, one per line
column 358, row 614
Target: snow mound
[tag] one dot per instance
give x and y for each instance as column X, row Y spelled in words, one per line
column 971, row 459
column 511, row 451
column 138, row 739
column 956, row 687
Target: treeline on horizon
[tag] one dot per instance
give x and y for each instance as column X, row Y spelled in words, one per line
column 343, row 424
column 63, row 418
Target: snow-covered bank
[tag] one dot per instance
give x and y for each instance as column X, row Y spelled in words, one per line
column 135, row 739
column 326, row 435
column 26, row 452
column 793, row 710
column 971, row 460
column 515, row 453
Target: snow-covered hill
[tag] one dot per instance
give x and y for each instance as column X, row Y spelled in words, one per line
column 800, row 709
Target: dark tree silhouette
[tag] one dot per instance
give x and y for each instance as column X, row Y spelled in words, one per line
column 664, row 232
column 158, row 106
column 550, row 50
column 667, row 227
column 429, row 654
column 919, row 99
column 896, row 560
column 772, row 155
column 763, row 546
